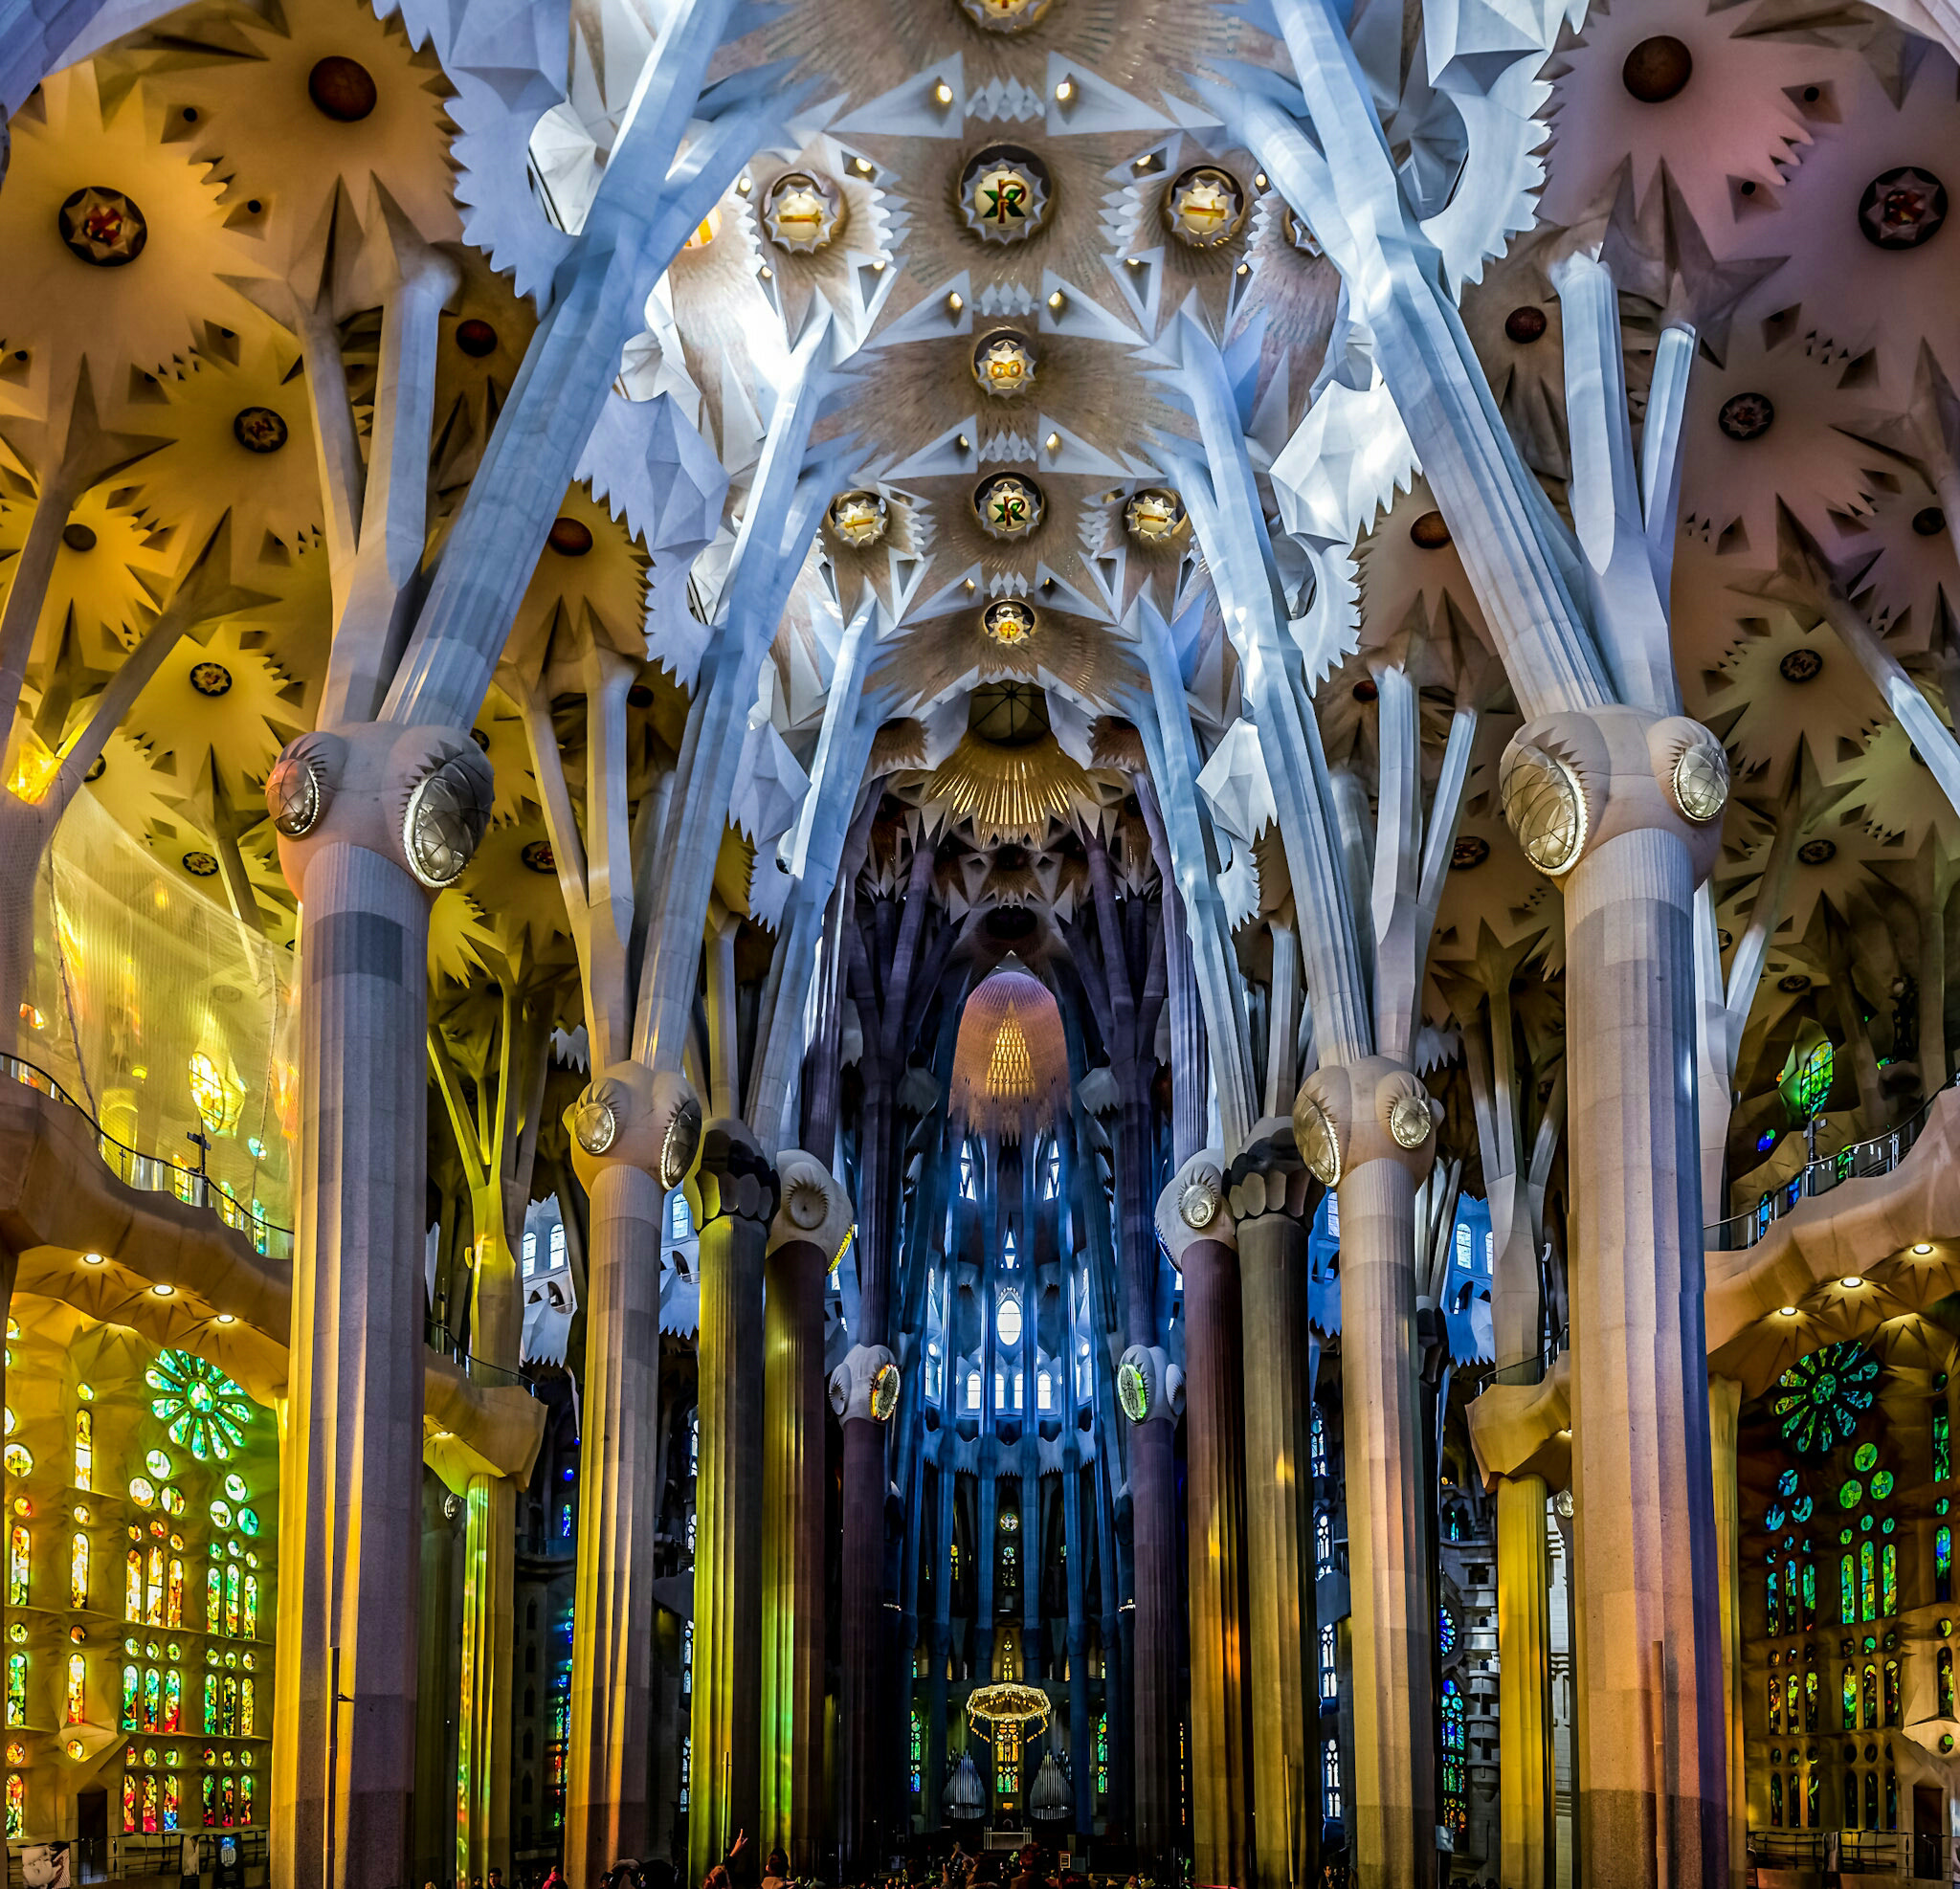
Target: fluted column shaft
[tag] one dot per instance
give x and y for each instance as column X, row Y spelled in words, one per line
column 483, row 1757
column 1214, row 1525
column 738, row 1199
column 1269, row 1181
column 1157, row 1694
column 613, row 1615
column 793, row 1551
column 1651, row 1747
column 1725, row 1408
column 862, row 1579
column 352, row 1469
column 1524, row 1658
column 1392, row 1624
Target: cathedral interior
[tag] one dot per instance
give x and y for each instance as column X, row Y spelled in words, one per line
column 1012, row 941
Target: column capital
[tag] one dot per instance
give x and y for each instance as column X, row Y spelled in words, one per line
column 636, row 1117
column 1267, row 1175
column 734, row 1179
column 1150, row 1388
column 1572, row 780
column 419, row 797
column 814, row 1210
column 1193, row 1208
column 865, row 1388
column 1372, row 1109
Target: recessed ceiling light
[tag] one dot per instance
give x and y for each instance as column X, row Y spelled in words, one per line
column 942, row 92
column 1064, row 91
column 1566, row 1435
column 1055, row 302
column 92, row 1259
column 1850, row 1284
column 227, row 1318
column 1786, row 1311
column 1923, row 1247
column 955, row 301
column 162, row 1290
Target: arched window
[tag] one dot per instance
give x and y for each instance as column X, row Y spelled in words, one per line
column 78, row 1572
column 1871, row 1800
column 1943, row 1564
column 1772, row 1588
column 1850, row 1690
column 557, row 1248
column 1463, row 1247
column 1007, row 1251
column 1850, row 1800
column 1329, row 1679
column 1847, row 1590
column 19, row 1563
column 1809, row 1702
column 1455, row 1819
column 1891, row 1692
column 1054, row 1181
column 77, row 1689
column 1044, row 1394
column 1007, row 1322
column 84, row 1449
column 1810, row 1594
column 1319, row 1442
column 1868, row 1580
column 1775, row 1704
column 1323, row 1544
column 530, row 1254
column 1945, row 1670
column 1789, row 1695
column 1331, row 1778
column 973, row 1389
column 1871, row 1697
column 969, row 1179
column 1776, row 1800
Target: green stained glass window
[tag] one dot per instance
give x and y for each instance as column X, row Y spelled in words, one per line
column 1866, row 1457
column 1943, row 1563
column 1882, row 1484
column 1868, row 1580
column 1851, row 1493
column 1847, row 1591
column 16, row 1689
column 1819, row 1400
column 1888, row 1580
column 1810, row 1594
column 1809, row 1702
column 1943, row 1445
column 206, row 1412
column 1775, row 1603
column 1850, row 1696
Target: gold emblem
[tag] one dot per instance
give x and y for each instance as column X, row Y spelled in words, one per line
column 1004, row 365
column 859, row 518
column 1007, row 17
column 1004, row 194
column 802, row 212
column 1008, row 506
column 1154, row 515
column 1205, row 208
column 1009, row 623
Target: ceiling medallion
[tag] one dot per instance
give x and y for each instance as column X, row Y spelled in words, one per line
column 1008, row 505
column 539, row 857
column 860, row 517
column 1004, row 364
column 569, row 537
column 1470, row 850
column 1526, row 324
column 1817, row 852
column 1747, row 417
column 1154, row 515
column 200, row 865
column 1008, row 16
column 1295, row 233
column 102, row 227
column 1801, row 666
column 1793, row 984
column 1430, row 532
column 1009, row 623
column 1930, row 523
column 211, row 679
column 802, row 212
column 476, row 337
column 1902, row 208
column 1205, row 206
column 258, row 430
column 77, row 537
column 342, row 89
column 1658, row 69
column 1004, row 194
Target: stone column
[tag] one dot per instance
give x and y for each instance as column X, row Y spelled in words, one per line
column 1082, row 1757
column 1598, row 800
column 482, row 1771
column 1267, row 1189
column 737, row 1197
column 808, row 1228
column 1150, row 1393
column 939, row 1636
column 1724, row 1412
column 1524, row 1658
column 1202, row 1241
column 634, row 1133
column 864, row 1392
column 371, row 823
column 1369, row 1127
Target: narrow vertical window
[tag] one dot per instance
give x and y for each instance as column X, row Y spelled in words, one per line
column 77, row 1689
column 1892, row 1692
column 16, row 1689
column 154, row 1600
column 1943, row 1564
column 1943, row 1445
column 1871, row 1697
column 84, row 1449
column 77, row 1572
column 1868, row 1580
column 1850, row 1690
column 1809, row 1702
column 19, row 1565
column 16, row 1803
column 132, row 1682
column 1945, row 1671
column 1847, row 1590
column 1888, row 1580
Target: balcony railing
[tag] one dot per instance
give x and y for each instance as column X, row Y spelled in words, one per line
column 1928, row 1858
column 445, row 1343
column 152, row 1174
column 1878, row 1155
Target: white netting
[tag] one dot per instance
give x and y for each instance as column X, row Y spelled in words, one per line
column 161, row 1015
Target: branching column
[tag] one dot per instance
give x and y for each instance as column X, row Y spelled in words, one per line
column 1202, row 1242
column 633, row 1135
column 1267, row 1191
column 737, row 1197
column 810, row 1227
column 368, row 823
column 1598, row 799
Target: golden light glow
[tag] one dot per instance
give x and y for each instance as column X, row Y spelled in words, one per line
column 1009, row 1068
column 710, row 228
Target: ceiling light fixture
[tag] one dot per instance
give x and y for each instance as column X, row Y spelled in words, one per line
column 1064, row 91
column 942, row 92
column 92, row 1259
column 162, row 1290
column 227, row 1318
column 1786, row 1311
column 1923, row 1247
column 955, row 301
column 1851, row 1283
column 1055, row 302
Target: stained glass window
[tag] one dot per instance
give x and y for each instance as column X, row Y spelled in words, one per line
column 205, row 1410
column 173, row 1594
column 1811, row 1798
column 249, row 1612
column 1103, row 1754
column 214, row 1599
column 245, row 1712
column 129, row 1802
column 1850, row 1690
column 211, row 1704
column 1777, row 1799
column 1455, row 1819
column 1944, row 1671
column 1871, row 1697
column 1790, row 1696
column 1319, row 1442
column 16, row 1803
column 150, row 1803
column 1809, row 1702
column 1330, row 1767
column 916, row 1751
column 230, row 1714
column 132, row 1681
column 1871, row 1800
column 19, row 1563
column 1850, row 1800
column 1891, row 1692
column 1943, row 1445
column 84, row 1450
column 1445, row 1632
column 1810, row 1595
column 211, row 1799
column 152, row 1696
column 174, row 1701
column 245, row 1798
column 1868, row 1580
column 1775, row 1595
column 1007, row 1763
column 232, row 1576
column 1821, row 1398
column 174, row 1801
column 153, row 1601
column 1775, row 1704
column 1943, row 1564
column 77, row 1689
column 1847, row 1591
column 16, row 1689
column 1888, row 1580
column 78, row 1572
column 1329, row 1680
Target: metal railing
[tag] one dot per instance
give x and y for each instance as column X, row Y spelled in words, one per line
column 445, row 1343
column 152, row 1174
column 1878, row 1155
column 1855, row 1852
